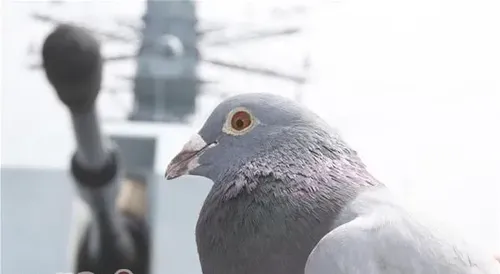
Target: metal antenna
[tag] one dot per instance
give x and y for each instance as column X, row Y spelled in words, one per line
column 175, row 40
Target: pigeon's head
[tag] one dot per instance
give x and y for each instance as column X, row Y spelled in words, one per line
column 246, row 130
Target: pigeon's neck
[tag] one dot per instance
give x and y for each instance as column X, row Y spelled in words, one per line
column 259, row 210
column 302, row 165
column 269, row 229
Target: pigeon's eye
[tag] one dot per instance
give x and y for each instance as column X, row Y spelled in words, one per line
column 241, row 120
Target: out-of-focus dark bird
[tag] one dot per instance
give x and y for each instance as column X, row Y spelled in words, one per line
column 115, row 236
column 290, row 197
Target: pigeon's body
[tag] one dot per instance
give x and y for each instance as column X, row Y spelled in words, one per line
column 284, row 181
column 257, row 239
column 376, row 235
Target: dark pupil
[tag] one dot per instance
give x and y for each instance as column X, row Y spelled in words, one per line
column 239, row 123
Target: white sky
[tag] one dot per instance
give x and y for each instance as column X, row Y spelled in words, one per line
column 414, row 86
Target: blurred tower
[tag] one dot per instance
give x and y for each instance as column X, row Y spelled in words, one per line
column 165, row 86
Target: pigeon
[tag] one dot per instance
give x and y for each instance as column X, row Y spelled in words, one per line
column 289, row 196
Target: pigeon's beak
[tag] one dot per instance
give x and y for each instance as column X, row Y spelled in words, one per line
column 187, row 159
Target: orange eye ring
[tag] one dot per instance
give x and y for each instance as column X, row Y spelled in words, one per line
column 241, row 120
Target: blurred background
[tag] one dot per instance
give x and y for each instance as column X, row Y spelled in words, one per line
column 413, row 86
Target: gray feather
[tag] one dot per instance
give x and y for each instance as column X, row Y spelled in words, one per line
column 375, row 235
